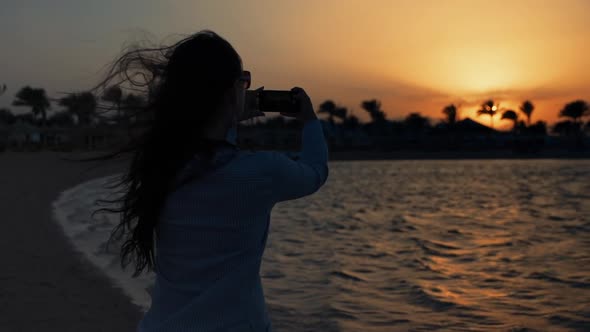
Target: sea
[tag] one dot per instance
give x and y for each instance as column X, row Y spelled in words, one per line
column 424, row 245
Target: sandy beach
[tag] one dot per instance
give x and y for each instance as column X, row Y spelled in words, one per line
column 46, row 284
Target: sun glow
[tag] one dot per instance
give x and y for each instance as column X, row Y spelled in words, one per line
column 477, row 69
column 414, row 56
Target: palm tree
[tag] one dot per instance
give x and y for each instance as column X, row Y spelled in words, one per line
column 114, row 95
column 328, row 107
column 340, row 113
column 489, row 108
column 63, row 119
column 416, row 122
column 36, row 99
column 538, row 128
column 133, row 111
column 351, row 122
column 527, row 108
column 575, row 110
column 373, row 107
column 132, row 104
column 565, row 128
column 451, row 113
column 510, row 115
column 83, row 105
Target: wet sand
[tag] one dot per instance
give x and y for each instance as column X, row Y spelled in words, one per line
column 46, row 284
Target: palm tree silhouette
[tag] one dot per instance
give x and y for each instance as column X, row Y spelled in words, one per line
column 451, row 113
column 565, row 128
column 575, row 110
column 373, row 107
column 527, row 108
column 351, row 122
column 328, row 107
column 489, row 108
column 83, row 105
column 114, row 95
column 510, row 115
column 132, row 104
column 36, row 99
column 416, row 122
column 340, row 113
column 133, row 111
column 63, row 119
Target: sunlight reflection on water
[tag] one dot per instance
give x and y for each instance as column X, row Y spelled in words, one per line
column 424, row 245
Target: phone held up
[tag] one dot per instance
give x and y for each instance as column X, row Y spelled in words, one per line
column 272, row 100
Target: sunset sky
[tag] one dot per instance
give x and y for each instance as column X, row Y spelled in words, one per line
column 415, row 56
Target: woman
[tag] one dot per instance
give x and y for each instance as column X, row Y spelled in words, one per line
column 195, row 208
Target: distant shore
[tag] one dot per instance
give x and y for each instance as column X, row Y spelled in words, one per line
column 454, row 155
column 359, row 155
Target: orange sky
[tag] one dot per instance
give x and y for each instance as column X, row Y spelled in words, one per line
column 412, row 55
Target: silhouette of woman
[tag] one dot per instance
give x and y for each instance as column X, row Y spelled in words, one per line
column 195, row 208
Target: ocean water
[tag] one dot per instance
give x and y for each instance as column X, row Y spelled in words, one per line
column 478, row 245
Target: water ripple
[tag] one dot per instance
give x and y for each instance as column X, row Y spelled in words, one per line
column 444, row 245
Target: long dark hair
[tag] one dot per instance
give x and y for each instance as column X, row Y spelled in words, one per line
column 185, row 83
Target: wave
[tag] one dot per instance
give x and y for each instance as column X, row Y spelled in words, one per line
column 419, row 296
column 72, row 211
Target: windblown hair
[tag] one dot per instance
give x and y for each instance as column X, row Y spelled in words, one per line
column 185, row 84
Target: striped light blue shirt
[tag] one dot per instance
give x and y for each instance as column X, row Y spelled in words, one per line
column 212, row 235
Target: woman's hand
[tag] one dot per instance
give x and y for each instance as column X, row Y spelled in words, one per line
column 306, row 112
column 250, row 107
column 249, row 114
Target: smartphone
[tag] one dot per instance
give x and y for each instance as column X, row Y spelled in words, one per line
column 277, row 101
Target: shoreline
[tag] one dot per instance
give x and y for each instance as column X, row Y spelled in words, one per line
column 89, row 236
column 48, row 284
column 353, row 155
column 445, row 155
